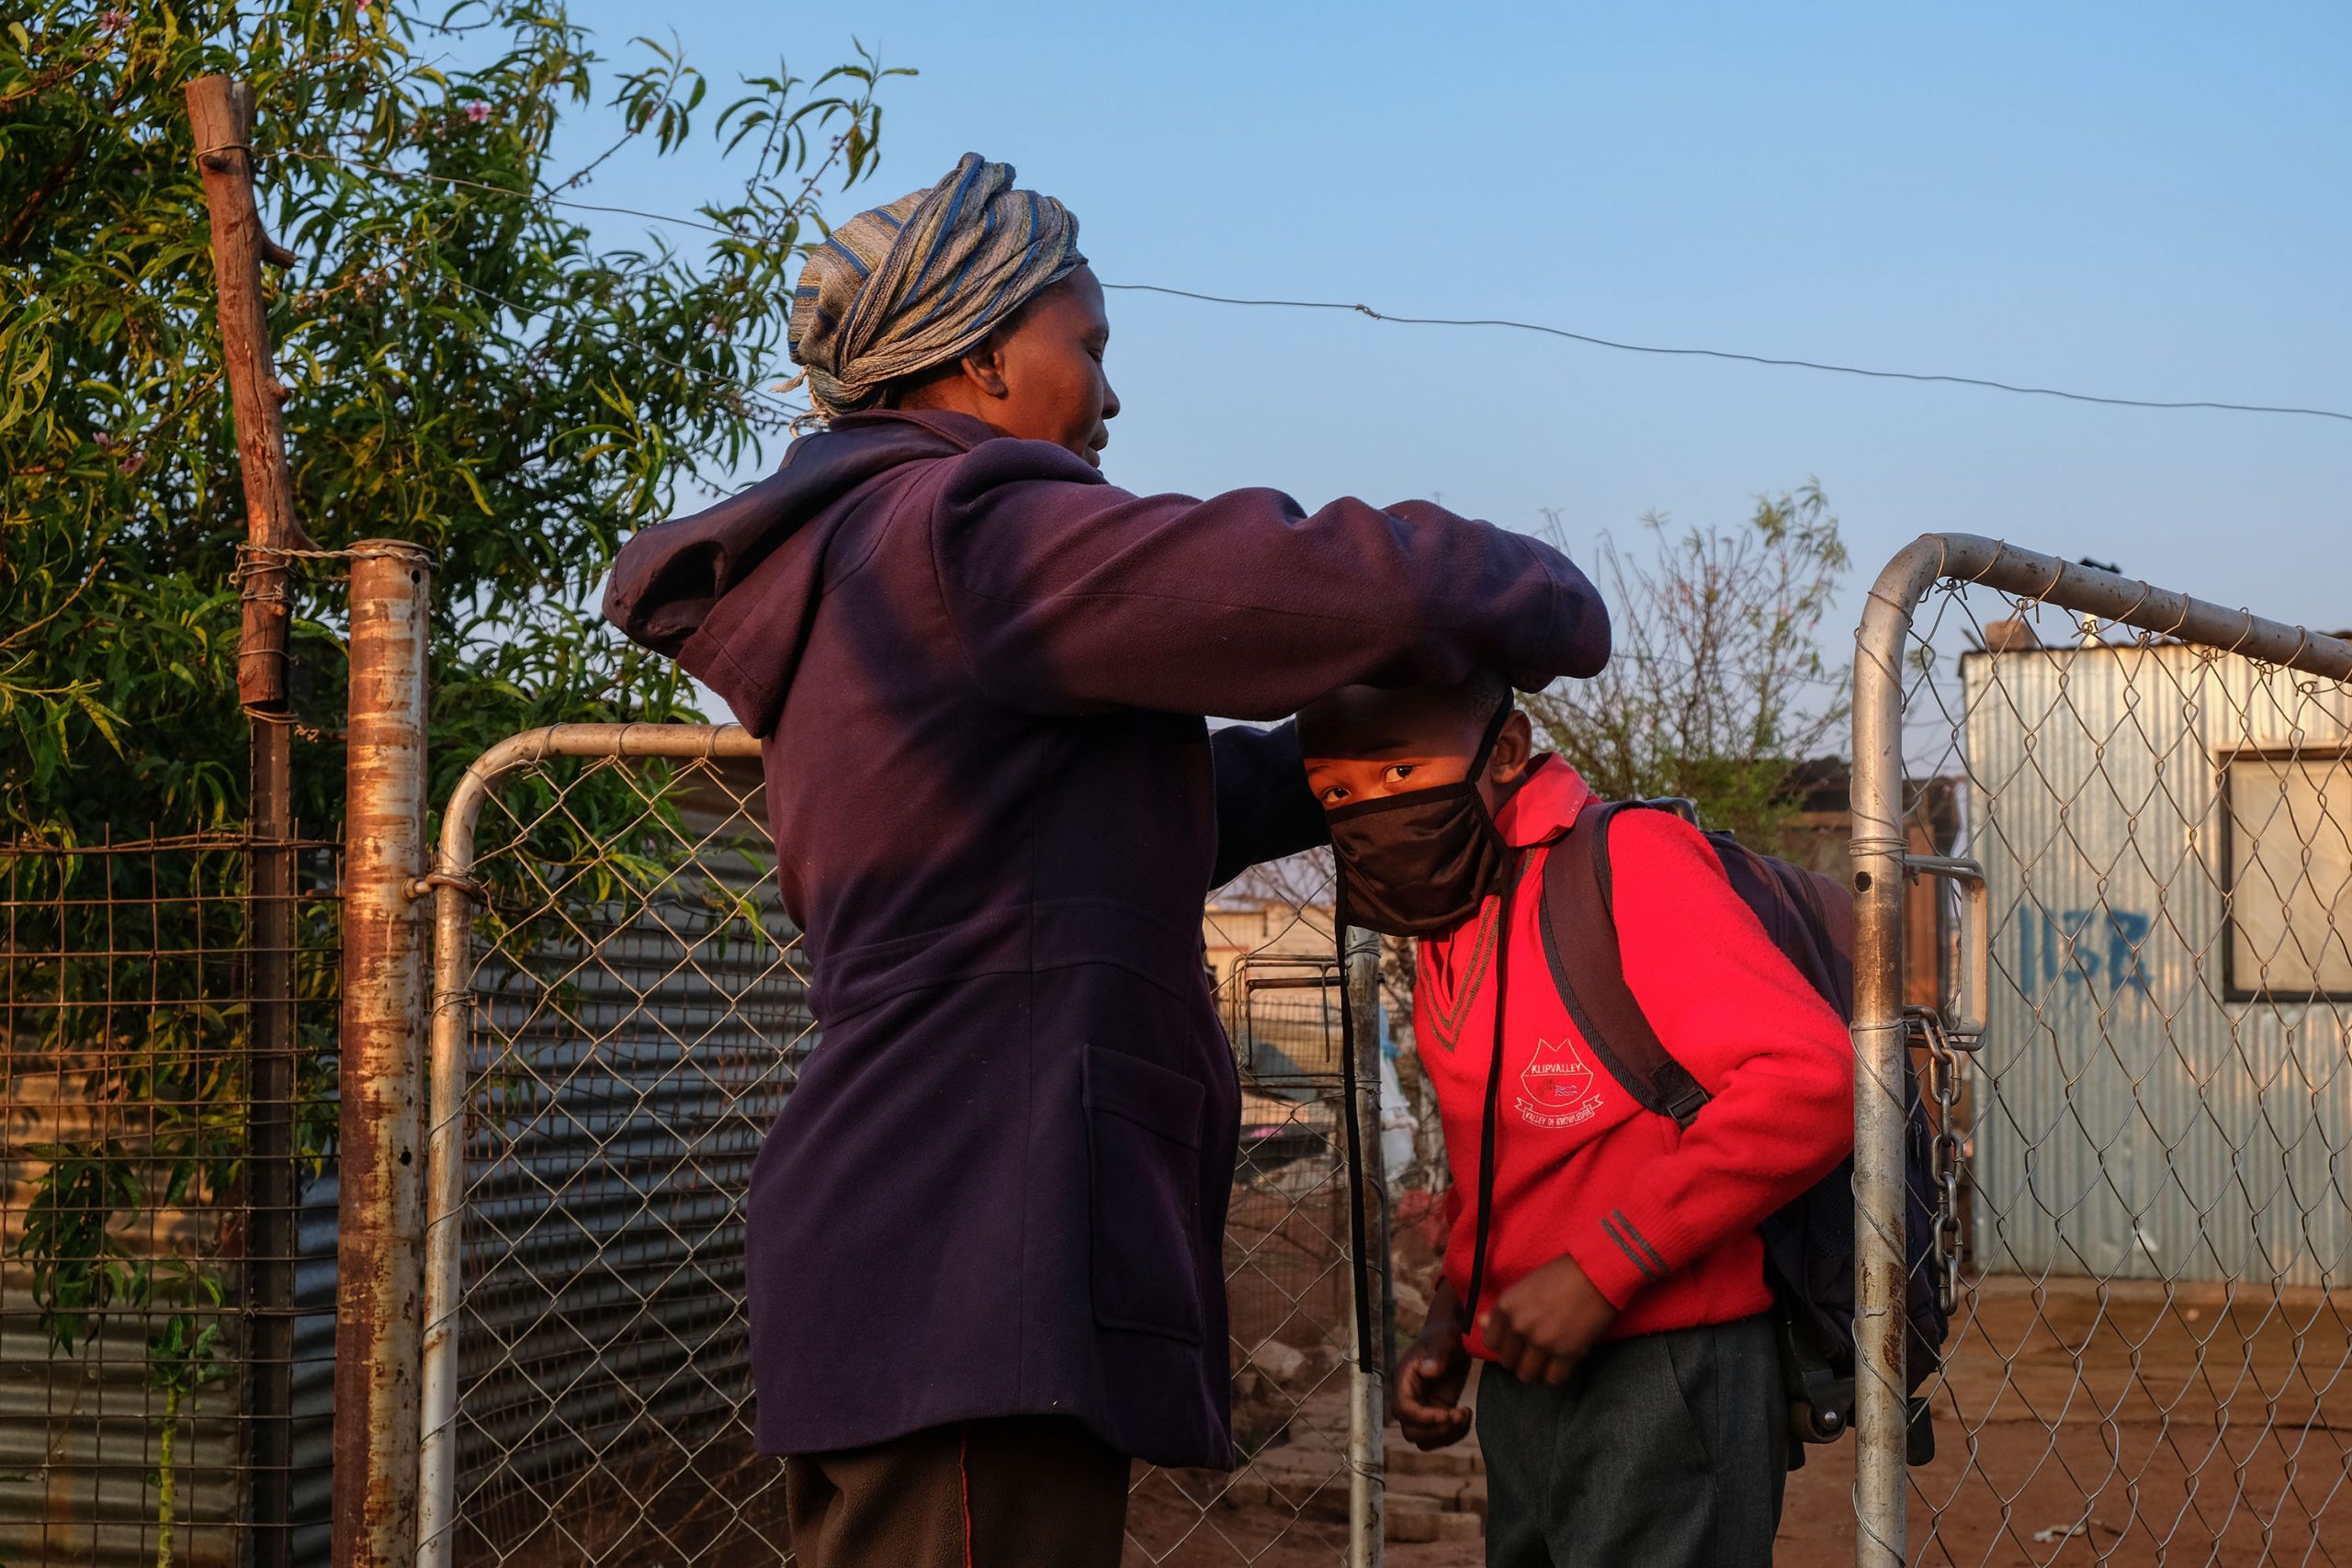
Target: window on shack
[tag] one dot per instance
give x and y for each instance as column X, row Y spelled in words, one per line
column 2289, row 849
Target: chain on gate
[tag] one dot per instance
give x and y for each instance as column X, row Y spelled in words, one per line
column 1928, row 1034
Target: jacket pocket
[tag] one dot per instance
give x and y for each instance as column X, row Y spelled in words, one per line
column 1143, row 1151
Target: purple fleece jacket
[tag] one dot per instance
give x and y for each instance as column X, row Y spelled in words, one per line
column 979, row 673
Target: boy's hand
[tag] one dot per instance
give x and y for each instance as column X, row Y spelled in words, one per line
column 1541, row 1327
column 1427, row 1388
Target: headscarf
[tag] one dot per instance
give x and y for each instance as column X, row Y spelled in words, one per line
column 906, row 287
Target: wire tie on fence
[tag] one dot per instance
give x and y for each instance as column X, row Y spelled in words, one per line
column 420, row 885
column 250, row 555
column 2057, row 580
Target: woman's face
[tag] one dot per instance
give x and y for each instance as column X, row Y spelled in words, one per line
column 1049, row 362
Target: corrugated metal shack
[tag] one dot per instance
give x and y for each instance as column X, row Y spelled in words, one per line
column 2163, row 1090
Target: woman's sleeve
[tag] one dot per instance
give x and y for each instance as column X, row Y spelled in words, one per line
column 1071, row 597
column 1264, row 809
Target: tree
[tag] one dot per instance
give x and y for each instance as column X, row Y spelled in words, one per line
column 467, row 367
column 1717, row 689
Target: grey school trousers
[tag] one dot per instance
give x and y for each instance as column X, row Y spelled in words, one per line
column 1666, row 1450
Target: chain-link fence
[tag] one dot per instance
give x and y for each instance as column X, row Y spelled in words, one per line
column 619, row 1021
column 164, row 1359
column 1272, row 956
column 619, row 1012
column 2151, row 1358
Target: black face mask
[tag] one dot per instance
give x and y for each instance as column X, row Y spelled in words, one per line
column 1419, row 864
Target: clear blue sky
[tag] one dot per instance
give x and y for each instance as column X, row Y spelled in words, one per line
column 2146, row 199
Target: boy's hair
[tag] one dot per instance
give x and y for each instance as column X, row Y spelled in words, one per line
column 1482, row 693
column 1324, row 725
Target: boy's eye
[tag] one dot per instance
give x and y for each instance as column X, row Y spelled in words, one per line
column 1400, row 772
column 1336, row 793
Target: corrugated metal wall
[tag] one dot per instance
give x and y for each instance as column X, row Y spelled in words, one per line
column 81, row 1429
column 2132, row 1120
column 78, row 1445
column 313, row 1392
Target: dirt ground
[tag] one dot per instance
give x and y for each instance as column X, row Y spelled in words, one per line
column 2075, row 1425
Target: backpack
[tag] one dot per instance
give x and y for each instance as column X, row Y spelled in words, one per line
column 1809, row 1244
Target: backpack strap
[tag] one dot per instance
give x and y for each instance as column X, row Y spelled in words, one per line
column 1580, row 946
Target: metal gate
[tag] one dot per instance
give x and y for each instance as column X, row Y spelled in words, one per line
column 619, row 1011
column 2149, row 1216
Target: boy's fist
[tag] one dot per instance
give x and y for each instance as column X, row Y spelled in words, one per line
column 1540, row 1329
column 1429, row 1378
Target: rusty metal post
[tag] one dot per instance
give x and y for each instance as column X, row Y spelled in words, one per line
column 380, row 1251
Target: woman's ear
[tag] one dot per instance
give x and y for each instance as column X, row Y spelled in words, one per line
column 983, row 365
column 1514, row 748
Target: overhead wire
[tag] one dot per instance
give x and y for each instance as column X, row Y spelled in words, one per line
column 1733, row 355
column 1500, row 322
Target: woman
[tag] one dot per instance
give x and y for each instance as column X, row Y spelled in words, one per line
column 986, row 1234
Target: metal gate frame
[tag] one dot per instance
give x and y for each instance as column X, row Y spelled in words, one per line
column 455, row 892
column 1881, row 867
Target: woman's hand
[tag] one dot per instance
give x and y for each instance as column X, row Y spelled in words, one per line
column 1429, row 1378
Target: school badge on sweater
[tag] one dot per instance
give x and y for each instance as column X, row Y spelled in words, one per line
column 1556, row 1088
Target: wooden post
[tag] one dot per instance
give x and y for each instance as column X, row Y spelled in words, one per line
column 220, row 113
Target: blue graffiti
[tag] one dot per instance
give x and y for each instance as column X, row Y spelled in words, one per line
column 2084, row 947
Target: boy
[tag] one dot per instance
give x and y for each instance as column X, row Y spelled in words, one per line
column 1631, row 1410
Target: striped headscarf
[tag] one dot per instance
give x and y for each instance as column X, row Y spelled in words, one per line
column 906, row 287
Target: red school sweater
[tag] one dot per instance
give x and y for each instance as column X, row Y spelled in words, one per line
column 1661, row 1218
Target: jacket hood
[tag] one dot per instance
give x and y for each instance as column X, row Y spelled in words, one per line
column 689, row 587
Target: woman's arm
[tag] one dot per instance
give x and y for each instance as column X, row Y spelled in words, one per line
column 1070, row 595
column 1264, row 809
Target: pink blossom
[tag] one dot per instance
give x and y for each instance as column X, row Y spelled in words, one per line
column 477, row 112
column 102, row 440
column 134, row 463
column 112, row 21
